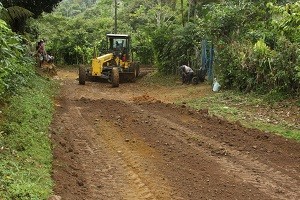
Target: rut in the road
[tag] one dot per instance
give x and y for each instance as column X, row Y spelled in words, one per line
column 101, row 166
column 267, row 179
column 152, row 150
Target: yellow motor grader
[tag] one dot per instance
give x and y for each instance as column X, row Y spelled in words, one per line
column 114, row 66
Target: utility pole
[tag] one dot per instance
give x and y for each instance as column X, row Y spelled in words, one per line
column 116, row 16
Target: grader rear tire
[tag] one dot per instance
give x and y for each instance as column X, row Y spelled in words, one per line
column 136, row 70
column 115, row 78
column 195, row 81
column 82, row 75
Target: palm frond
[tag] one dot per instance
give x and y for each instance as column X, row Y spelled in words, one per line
column 13, row 13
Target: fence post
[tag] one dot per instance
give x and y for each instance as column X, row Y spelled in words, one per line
column 210, row 64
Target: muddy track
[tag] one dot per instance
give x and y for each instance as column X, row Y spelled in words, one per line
column 125, row 143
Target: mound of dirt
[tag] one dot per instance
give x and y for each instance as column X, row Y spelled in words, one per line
column 144, row 98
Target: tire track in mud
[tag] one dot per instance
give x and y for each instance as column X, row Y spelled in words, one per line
column 135, row 160
column 115, row 172
column 271, row 181
column 107, row 168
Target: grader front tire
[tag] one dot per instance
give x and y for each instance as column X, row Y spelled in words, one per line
column 82, row 75
column 136, row 70
column 115, row 78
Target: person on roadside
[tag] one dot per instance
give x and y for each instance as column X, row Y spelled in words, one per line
column 187, row 74
column 41, row 49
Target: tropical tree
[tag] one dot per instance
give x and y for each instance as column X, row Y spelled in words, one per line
column 19, row 11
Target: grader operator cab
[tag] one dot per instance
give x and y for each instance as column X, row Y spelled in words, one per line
column 114, row 66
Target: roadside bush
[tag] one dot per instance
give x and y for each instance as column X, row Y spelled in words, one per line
column 160, row 43
column 16, row 66
column 257, row 49
column 176, row 45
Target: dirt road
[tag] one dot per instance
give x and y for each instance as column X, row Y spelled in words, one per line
column 133, row 143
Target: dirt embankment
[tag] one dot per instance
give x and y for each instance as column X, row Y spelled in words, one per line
column 131, row 142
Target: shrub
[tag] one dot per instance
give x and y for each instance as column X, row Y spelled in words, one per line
column 16, row 65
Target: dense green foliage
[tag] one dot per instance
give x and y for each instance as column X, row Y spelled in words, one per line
column 25, row 113
column 256, row 42
column 15, row 16
column 72, row 39
column 258, row 45
column 16, row 65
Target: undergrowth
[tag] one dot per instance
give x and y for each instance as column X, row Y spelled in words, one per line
column 25, row 148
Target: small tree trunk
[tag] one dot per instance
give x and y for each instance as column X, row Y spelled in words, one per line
column 182, row 13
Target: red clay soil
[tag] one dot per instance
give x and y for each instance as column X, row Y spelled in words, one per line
column 132, row 143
